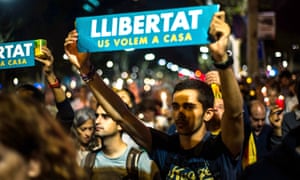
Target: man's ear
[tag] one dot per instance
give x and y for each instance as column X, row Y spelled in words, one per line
column 208, row 114
column 34, row 168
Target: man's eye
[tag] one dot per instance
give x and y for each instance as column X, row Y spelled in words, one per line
column 91, row 129
column 175, row 106
column 105, row 116
column 188, row 106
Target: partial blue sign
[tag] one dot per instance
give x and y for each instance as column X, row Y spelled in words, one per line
column 17, row 54
column 147, row 29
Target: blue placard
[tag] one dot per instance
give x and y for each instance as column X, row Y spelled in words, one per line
column 17, row 54
column 147, row 29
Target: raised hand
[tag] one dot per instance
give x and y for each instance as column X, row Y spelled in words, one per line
column 47, row 60
column 212, row 77
column 219, row 31
column 80, row 60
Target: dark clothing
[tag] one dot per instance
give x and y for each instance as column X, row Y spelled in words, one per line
column 290, row 121
column 263, row 141
column 65, row 114
column 282, row 163
column 208, row 159
column 172, row 129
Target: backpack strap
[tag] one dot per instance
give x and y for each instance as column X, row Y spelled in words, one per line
column 89, row 162
column 132, row 163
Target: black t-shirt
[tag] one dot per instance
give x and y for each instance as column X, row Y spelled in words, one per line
column 208, row 159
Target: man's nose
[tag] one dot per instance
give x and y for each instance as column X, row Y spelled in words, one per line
column 180, row 115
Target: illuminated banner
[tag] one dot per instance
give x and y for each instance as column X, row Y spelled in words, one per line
column 147, row 29
column 16, row 54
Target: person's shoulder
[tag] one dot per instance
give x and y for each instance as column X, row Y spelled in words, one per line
column 289, row 115
column 144, row 156
column 290, row 118
column 147, row 167
column 210, row 145
column 138, row 159
column 98, row 153
column 162, row 139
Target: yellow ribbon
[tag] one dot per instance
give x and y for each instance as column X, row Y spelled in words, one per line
column 250, row 155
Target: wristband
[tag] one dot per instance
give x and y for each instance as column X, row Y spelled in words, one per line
column 227, row 63
column 90, row 75
column 56, row 84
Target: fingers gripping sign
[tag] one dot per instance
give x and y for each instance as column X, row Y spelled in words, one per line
column 70, row 45
column 219, row 31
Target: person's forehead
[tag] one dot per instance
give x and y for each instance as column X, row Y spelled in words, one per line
column 258, row 113
column 187, row 95
column 87, row 123
column 258, row 108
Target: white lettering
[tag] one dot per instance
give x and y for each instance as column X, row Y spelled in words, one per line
column 145, row 24
column 125, row 27
column 104, row 30
column 152, row 22
column 1, row 52
column 27, row 47
column 8, row 50
column 14, row 50
column 114, row 24
column 180, row 22
column 195, row 14
column 166, row 19
column 94, row 33
column 18, row 51
column 138, row 25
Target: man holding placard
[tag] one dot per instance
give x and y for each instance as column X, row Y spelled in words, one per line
column 192, row 153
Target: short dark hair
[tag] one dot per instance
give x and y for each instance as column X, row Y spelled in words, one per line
column 205, row 93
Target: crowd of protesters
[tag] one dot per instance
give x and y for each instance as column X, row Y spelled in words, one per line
column 220, row 128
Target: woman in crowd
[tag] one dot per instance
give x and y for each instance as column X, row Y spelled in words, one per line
column 83, row 129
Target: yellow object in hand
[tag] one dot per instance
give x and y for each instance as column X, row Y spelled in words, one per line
column 38, row 44
column 216, row 90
